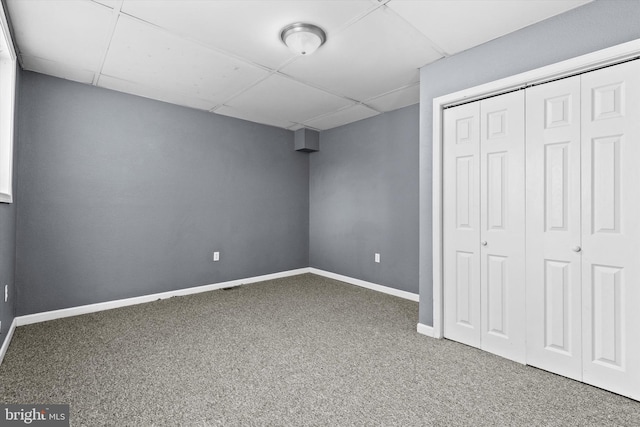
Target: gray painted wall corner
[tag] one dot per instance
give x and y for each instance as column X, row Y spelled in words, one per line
column 364, row 200
column 7, row 265
column 122, row 196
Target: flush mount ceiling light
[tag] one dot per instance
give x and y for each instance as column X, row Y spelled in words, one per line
column 303, row 38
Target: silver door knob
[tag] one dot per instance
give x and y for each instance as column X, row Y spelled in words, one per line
column 483, row 243
column 576, row 249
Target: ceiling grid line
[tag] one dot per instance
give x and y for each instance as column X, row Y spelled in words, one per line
column 392, row 91
column 198, row 42
column 226, row 56
column 357, row 18
column 434, row 45
column 114, row 23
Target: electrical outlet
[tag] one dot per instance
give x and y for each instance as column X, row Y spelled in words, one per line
column 6, row 293
column 376, row 257
column 216, row 256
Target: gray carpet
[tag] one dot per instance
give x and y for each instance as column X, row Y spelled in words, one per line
column 299, row 351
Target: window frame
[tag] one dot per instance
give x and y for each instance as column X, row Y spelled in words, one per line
column 8, row 64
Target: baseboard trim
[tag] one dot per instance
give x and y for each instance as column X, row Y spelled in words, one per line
column 108, row 305
column 7, row 339
column 373, row 286
column 426, row 330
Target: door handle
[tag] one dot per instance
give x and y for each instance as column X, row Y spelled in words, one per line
column 483, row 243
column 576, row 249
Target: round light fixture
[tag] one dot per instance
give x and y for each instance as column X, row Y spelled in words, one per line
column 303, row 38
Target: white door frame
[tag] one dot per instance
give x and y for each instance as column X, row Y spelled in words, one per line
column 580, row 64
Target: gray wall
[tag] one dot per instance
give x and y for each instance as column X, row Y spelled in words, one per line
column 594, row 26
column 364, row 199
column 8, row 245
column 7, row 264
column 123, row 196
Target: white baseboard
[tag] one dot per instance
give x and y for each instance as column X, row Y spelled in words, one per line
column 7, row 339
column 426, row 330
column 108, row 305
column 373, row 286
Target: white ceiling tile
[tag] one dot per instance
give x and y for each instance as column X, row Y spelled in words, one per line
column 396, row 99
column 457, row 25
column 57, row 69
column 279, row 96
column 253, row 117
column 166, row 95
column 144, row 54
column 375, row 55
column 248, row 28
column 74, row 33
column 342, row 117
column 220, row 54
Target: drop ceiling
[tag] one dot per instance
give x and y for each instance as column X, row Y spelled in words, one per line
column 226, row 57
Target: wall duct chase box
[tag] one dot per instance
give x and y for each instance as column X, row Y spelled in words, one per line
column 307, row 140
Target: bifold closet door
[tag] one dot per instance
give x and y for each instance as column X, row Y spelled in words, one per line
column 554, row 296
column 579, row 313
column 502, row 225
column 611, row 228
column 483, row 224
column 461, row 223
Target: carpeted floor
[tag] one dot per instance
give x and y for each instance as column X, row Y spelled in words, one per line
column 299, row 351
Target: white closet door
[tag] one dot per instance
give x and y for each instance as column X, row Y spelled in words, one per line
column 502, row 226
column 554, row 304
column 461, row 243
column 611, row 228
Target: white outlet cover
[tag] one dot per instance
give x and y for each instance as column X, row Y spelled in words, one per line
column 377, row 258
column 216, row 256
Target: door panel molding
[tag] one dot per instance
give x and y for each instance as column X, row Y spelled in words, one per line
column 598, row 59
column 589, row 280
